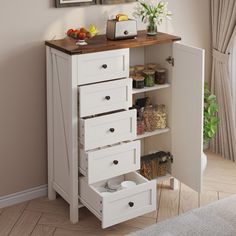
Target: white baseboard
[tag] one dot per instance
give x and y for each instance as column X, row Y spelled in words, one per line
column 23, row 196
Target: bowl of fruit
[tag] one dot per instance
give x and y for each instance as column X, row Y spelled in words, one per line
column 80, row 35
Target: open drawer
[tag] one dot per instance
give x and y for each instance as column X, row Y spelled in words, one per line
column 108, row 129
column 108, row 162
column 122, row 205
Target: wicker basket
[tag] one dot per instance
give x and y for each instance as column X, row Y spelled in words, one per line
column 155, row 165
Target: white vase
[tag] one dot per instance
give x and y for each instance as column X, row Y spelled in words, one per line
column 204, row 161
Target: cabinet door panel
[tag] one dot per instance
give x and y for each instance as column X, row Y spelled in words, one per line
column 187, row 114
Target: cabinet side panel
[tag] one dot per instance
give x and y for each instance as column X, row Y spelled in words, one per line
column 61, row 129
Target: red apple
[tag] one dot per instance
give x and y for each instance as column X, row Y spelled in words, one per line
column 82, row 36
column 69, row 32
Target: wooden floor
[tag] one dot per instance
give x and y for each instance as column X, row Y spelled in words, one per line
column 42, row 217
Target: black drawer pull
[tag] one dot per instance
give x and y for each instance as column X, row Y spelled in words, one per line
column 104, row 66
column 112, row 130
column 115, row 162
column 131, row 204
column 126, row 32
column 107, row 98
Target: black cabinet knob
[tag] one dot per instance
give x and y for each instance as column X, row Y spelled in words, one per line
column 126, row 32
column 112, row 130
column 104, row 66
column 107, row 98
column 131, row 204
column 115, row 162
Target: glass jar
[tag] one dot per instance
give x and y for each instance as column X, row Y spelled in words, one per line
column 139, row 69
column 140, row 126
column 151, row 66
column 138, row 81
column 148, row 118
column 160, row 117
column 161, row 76
column 131, row 71
column 149, row 78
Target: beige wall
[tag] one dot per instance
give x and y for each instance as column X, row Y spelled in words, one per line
column 25, row 24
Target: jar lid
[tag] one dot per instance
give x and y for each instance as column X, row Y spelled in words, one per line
column 138, row 78
column 161, row 70
column 139, row 67
column 152, row 65
column 149, row 72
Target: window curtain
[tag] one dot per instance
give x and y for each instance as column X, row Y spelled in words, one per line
column 223, row 13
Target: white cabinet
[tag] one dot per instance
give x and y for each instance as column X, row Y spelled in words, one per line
column 92, row 130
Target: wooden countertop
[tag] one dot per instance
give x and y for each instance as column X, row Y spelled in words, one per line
column 100, row 43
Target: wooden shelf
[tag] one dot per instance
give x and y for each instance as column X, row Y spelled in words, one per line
column 156, row 132
column 100, row 43
column 148, row 89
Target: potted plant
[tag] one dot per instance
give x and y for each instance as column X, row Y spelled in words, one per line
column 152, row 12
column 210, row 121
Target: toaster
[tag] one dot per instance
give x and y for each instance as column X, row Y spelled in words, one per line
column 121, row 29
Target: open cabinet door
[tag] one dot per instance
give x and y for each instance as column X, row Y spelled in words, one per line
column 187, row 114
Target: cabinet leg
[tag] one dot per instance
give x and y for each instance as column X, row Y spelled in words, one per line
column 74, row 214
column 174, row 184
column 51, row 192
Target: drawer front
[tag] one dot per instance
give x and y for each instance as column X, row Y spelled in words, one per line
column 102, row 66
column 105, row 97
column 108, row 129
column 110, row 162
column 114, row 208
column 134, row 203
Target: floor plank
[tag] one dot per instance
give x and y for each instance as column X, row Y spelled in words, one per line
column 42, row 230
column 188, row 199
column 58, row 206
column 140, row 222
column 223, row 195
column 9, row 217
column 169, row 202
column 208, row 197
column 26, row 223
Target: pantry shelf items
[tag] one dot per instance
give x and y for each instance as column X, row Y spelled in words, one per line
column 92, row 124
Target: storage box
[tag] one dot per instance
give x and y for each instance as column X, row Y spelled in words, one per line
column 155, row 165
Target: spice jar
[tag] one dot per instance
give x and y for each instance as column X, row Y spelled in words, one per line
column 161, row 76
column 140, row 126
column 148, row 117
column 138, row 81
column 151, row 66
column 149, row 78
column 131, row 71
column 139, row 69
column 160, row 117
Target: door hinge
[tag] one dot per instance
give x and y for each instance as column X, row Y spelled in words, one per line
column 170, row 60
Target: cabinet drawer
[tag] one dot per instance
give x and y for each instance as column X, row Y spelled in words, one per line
column 109, row 162
column 105, row 97
column 108, row 129
column 122, row 205
column 102, row 66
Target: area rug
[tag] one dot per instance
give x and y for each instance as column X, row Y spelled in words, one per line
column 216, row 219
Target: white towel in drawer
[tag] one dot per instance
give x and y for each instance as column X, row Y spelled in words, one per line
column 105, row 97
column 102, row 66
column 108, row 129
column 122, row 205
column 109, row 162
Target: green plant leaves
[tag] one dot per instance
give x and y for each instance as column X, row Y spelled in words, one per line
column 211, row 120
